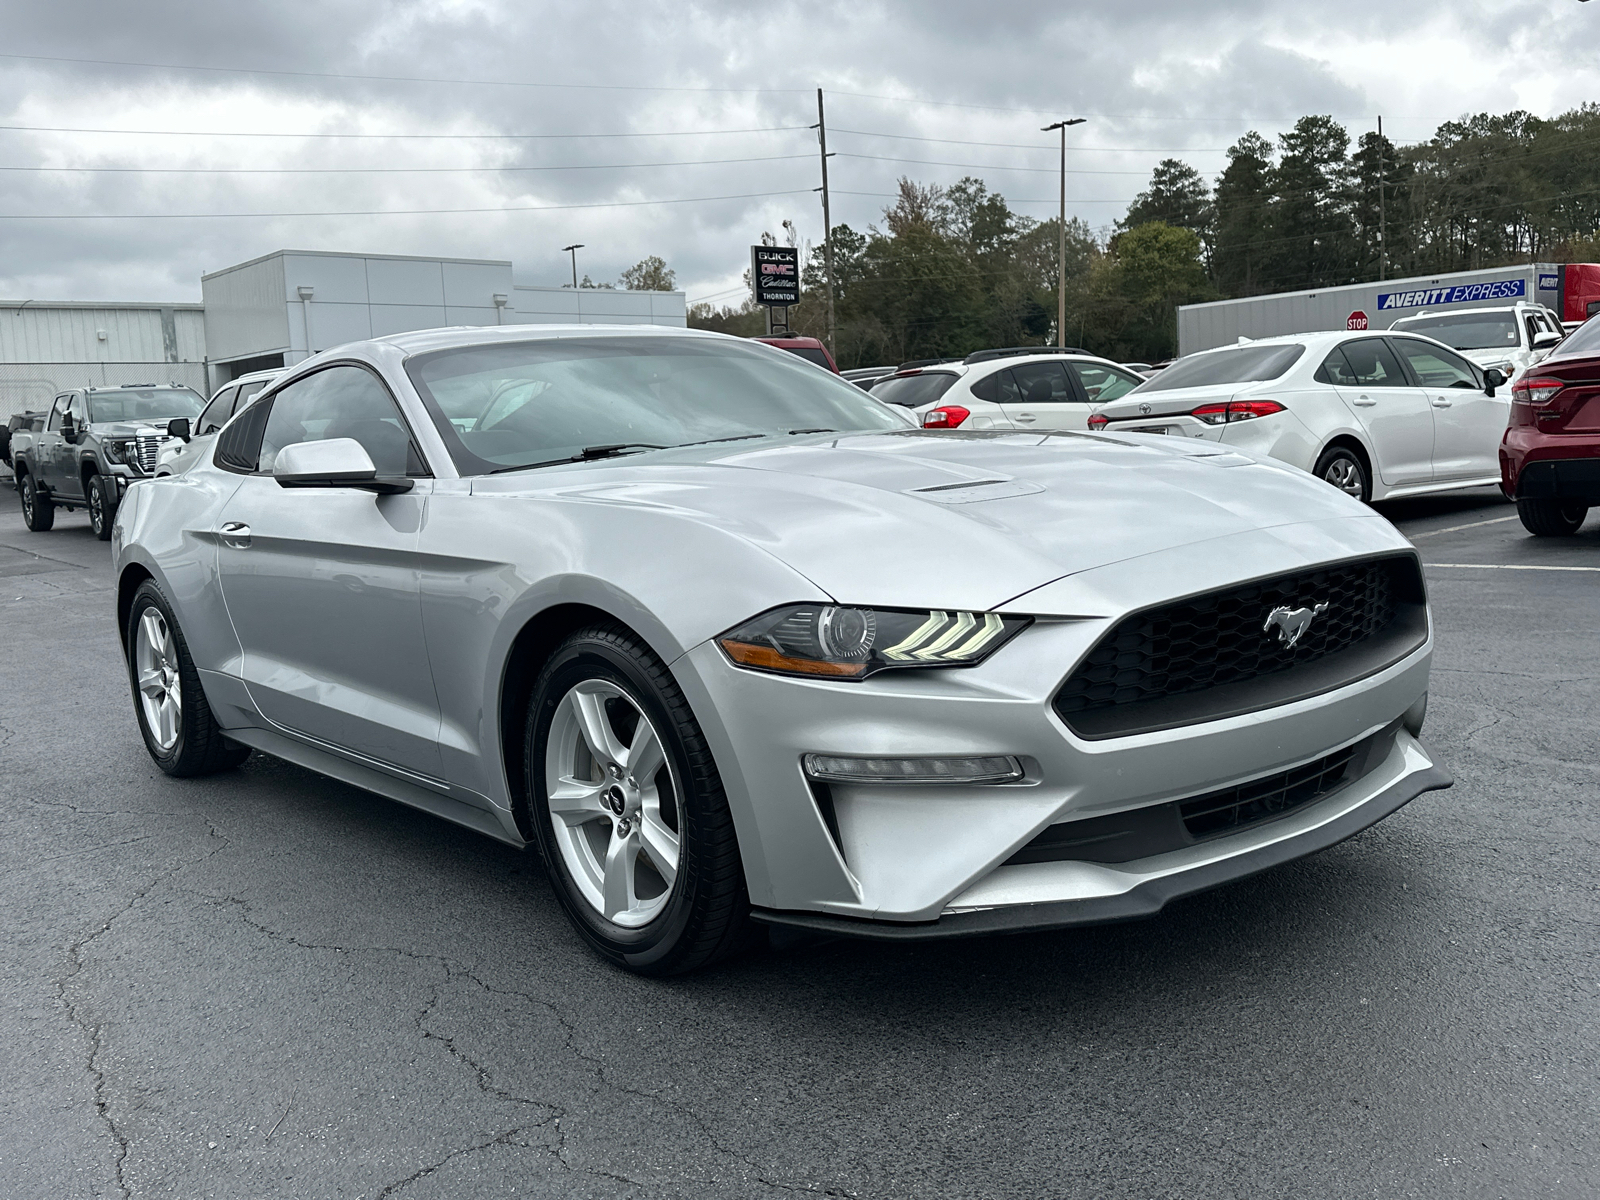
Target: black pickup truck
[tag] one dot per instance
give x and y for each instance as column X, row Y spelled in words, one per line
column 94, row 442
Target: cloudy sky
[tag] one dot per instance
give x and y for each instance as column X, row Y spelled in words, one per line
column 509, row 128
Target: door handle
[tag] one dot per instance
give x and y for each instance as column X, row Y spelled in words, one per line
column 1441, row 402
column 1364, row 401
column 1025, row 418
column 236, row 534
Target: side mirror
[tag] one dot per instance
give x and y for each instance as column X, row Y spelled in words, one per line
column 1543, row 341
column 332, row 463
column 1492, row 379
column 178, row 427
column 69, row 427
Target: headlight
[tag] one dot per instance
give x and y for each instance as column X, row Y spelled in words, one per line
column 851, row 643
column 116, row 451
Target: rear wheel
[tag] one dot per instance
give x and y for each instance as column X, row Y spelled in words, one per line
column 102, row 497
column 174, row 717
column 1340, row 467
column 38, row 511
column 628, row 809
column 1551, row 518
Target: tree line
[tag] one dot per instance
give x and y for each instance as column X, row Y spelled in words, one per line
column 954, row 269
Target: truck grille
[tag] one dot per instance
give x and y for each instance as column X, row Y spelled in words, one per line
column 1214, row 655
column 146, row 449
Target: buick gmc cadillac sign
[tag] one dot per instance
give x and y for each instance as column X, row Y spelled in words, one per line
column 1465, row 293
column 775, row 275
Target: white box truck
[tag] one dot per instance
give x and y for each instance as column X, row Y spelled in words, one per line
column 1571, row 290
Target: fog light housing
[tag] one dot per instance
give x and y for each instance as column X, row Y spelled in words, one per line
column 963, row 768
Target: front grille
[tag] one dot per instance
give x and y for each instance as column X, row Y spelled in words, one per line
column 146, row 449
column 1262, row 799
column 1218, row 645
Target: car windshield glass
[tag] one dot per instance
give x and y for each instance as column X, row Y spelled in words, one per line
column 516, row 404
column 1244, row 364
column 810, row 353
column 1466, row 331
column 913, row 391
column 144, row 404
column 1583, row 340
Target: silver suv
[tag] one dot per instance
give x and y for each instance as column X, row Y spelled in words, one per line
column 179, row 453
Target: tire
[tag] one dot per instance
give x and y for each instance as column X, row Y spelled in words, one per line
column 1552, row 518
column 38, row 510
column 174, row 717
column 603, row 684
column 101, row 495
column 1341, row 468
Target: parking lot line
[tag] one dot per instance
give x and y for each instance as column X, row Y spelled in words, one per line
column 1453, row 528
column 1504, row 567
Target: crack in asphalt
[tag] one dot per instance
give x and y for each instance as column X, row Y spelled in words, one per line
column 484, row 1080
column 503, row 1139
column 95, row 1031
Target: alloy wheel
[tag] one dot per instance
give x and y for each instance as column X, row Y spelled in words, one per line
column 160, row 686
column 1344, row 474
column 27, row 502
column 97, row 509
column 613, row 803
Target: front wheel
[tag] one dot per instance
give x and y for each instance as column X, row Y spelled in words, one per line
column 102, row 496
column 628, row 809
column 1551, row 518
column 174, row 717
column 1345, row 471
column 38, row 510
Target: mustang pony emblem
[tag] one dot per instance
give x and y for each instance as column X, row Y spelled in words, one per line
column 1292, row 623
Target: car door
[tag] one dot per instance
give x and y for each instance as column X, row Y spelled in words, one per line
column 1467, row 422
column 1100, row 383
column 48, row 444
column 1041, row 397
column 322, row 583
column 1396, row 417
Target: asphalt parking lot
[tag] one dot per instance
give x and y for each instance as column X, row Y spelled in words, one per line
column 269, row 984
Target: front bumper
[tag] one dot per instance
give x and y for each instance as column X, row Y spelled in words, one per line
column 921, row 854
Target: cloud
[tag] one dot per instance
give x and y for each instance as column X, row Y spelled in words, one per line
column 1158, row 79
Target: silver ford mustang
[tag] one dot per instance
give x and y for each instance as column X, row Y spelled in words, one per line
column 732, row 645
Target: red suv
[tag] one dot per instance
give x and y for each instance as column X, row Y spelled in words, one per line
column 808, row 348
column 1550, row 455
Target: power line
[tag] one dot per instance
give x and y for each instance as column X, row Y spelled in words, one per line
column 924, row 162
column 912, row 137
column 454, row 137
column 1051, row 200
column 517, row 83
column 390, row 212
column 705, row 162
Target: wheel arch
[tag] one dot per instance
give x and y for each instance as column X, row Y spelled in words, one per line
column 127, row 584
column 1350, row 442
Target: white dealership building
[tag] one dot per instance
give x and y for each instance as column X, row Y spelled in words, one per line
column 276, row 310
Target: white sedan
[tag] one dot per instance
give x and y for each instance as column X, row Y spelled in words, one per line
column 1379, row 416
column 990, row 390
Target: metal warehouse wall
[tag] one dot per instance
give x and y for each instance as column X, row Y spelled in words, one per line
column 48, row 347
column 597, row 306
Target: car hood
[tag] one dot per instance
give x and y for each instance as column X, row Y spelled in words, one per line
column 1488, row 358
column 950, row 518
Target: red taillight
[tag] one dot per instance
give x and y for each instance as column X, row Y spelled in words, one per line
column 1236, row 410
column 1096, row 421
column 946, row 416
column 1535, row 390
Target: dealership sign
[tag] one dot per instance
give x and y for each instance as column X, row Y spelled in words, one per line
column 775, row 275
column 1499, row 289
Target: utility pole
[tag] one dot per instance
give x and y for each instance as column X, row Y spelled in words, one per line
column 1061, row 265
column 1383, row 232
column 827, row 220
column 573, row 250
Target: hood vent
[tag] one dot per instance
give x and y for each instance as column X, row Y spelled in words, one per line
column 970, row 491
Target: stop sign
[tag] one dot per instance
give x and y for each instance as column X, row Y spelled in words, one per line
column 1356, row 320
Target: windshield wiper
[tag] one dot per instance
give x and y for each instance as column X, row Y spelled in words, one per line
column 738, row 437
column 587, row 454
column 795, row 431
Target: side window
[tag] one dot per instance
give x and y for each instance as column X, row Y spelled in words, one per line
column 998, row 387
column 1534, row 326
column 57, row 411
column 78, row 409
column 1371, row 363
column 215, row 415
column 1103, row 383
column 1437, row 367
column 1335, row 370
column 340, row 402
column 247, row 392
column 1039, row 383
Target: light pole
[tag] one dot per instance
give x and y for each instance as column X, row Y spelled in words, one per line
column 1061, row 265
column 576, row 246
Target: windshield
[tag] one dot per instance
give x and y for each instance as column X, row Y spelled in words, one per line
column 144, row 404
column 1243, row 364
column 521, row 404
column 1466, row 331
column 913, row 391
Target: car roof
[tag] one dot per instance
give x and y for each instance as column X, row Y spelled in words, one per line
column 419, row 340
